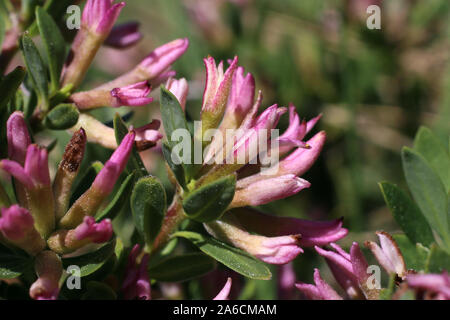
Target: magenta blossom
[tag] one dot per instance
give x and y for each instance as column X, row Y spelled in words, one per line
column 136, row 284
column 180, row 90
column 320, row 291
column 225, row 292
column 273, row 250
column 49, row 270
column 313, row 233
column 349, row 269
column 18, row 137
column 90, row 201
column 124, row 35
column 95, row 232
column 133, row 95
column 432, row 286
column 100, row 15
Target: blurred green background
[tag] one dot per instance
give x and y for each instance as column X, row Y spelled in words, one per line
column 374, row 88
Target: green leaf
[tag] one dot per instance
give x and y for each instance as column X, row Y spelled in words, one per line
column 407, row 214
column 119, row 201
column 172, row 114
column 439, row 260
column 135, row 162
column 148, row 205
column 415, row 255
column 181, row 268
column 62, row 117
column 9, row 85
column 54, row 45
column 431, row 148
column 92, row 261
column 36, row 68
column 177, row 169
column 428, row 192
column 86, row 181
column 232, row 257
column 210, row 201
column 12, row 265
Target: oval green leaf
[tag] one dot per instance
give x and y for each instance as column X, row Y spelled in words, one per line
column 210, row 201
column 148, row 205
column 62, row 117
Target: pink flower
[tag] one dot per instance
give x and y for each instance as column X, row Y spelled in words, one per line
column 217, row 90
column 35, row 172
column 180, row 90
column 49, row 270
column 225, row 292
column 435, row 286
column 273, row 250
column 240, row 102
column 154, row 68
column 18, row 137
column 16, row 222
column 314, row 233
column 262, row 191
column 107, row 177
column 148, row 136
column 136, row 284
column 163, row 57
column 100, row 15
column 286, row 281
column 124, row 35
column 388, row 255
column 132, row 95
column 350, row 270
column 91, row 200
column 297, row 130
column 301, row 159
column 320, row 291
column 95, row 232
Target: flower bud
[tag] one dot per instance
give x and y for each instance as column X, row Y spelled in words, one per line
column 262, row 192
column 389, row 255
column 225, row 292
column 17, row 226
column 94, row 232
column 154, row 68
column 97, row 21
column 148, row 136
column 314, row 233
column 49, row 270
column 432, row 286
column 350, row 270
column 134, row 95
column 136, row 284
column 275, row 250
column 242, row 96
column 18, row 137
column 217, row 90
column 180, row 90
column 124, row 35
column 68, row 241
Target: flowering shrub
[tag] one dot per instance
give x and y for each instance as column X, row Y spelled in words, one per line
column 115, row 230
